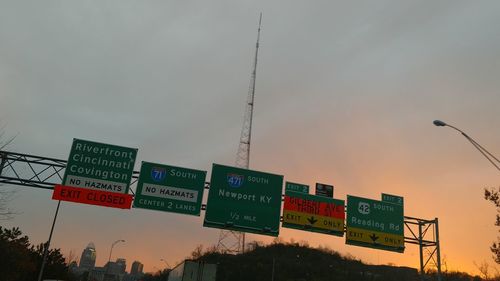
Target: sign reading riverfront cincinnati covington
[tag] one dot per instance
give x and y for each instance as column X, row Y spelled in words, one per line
column 100, row 166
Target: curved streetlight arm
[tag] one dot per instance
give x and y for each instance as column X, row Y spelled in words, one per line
column 475, row 143
column 112, row 245
column 481, row 149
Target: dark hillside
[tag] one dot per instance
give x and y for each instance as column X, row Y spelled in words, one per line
column 293, row 262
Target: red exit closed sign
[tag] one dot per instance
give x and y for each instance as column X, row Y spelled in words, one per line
column 92, row 197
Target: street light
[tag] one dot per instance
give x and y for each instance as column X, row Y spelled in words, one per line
column 112, row 245
column 481, row 149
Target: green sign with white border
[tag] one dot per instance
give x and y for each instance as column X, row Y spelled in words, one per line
column 296, row 187
column 393, row 199
column 375, row 224
column 170, row 189
column 244, row 200
column 100, row 166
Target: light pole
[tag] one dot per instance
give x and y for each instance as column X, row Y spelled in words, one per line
column 47, row 244
column 481, row 149
column 112, row 245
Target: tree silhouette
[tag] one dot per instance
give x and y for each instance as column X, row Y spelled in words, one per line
column 493, row 196
column 16, row 262
column 20, row 261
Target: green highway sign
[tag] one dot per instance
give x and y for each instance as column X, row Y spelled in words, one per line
column 244, row 200
column 392, row 199
column 100, row 166
column 375, row 224
column 296, row 187
column 170, row 189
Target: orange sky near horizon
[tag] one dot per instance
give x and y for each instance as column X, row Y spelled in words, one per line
column 464, row 232
column 346, row 94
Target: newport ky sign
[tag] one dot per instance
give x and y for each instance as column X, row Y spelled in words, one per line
column 244, row 200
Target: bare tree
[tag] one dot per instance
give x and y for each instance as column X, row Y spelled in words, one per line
column 197, row 252
column 484, row 269
column 6, row 194
column 70, row 257
column 493, row 195
column 444, row 263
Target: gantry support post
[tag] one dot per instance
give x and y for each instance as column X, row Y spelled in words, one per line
column 438, row 248
column 3, row 160
column 422, row 238
column 421, row 251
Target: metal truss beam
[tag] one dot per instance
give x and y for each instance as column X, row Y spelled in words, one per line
column 44, row 172
column 35, row 171
column 30, row 170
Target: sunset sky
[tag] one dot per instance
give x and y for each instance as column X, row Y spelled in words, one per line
column 346, row 95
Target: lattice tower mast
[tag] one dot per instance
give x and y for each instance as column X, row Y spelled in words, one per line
column 233, row 241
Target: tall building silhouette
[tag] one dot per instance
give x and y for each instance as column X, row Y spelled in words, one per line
column 121, row 265
column 116, row 267
column 87, row 261
column 137, row 268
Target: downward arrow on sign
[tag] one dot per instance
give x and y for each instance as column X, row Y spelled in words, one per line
column 312, row 220
column 374, row 237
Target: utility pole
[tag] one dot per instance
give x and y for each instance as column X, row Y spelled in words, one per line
column 234, row 241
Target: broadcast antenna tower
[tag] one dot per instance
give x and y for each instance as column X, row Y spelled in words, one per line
column 233, row 241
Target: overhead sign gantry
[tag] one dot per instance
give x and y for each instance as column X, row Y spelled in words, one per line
column 363, row 215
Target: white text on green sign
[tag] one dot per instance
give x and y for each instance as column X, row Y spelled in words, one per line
column 100, row 166
column 244, row 200
column 375, row 224
column 392, row 199
column 170, row 189
column 297, row 187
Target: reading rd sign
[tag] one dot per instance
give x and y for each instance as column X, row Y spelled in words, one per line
column 375, row 224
